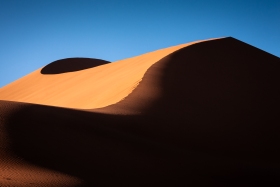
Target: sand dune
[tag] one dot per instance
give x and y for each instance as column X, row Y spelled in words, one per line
column 199, row 114
column 88, row 88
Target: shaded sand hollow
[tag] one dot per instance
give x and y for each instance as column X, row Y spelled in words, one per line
column 204, row 113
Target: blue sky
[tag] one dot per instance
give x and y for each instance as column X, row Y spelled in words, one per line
column 34, row 33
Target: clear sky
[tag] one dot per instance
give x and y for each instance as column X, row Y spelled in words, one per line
column 34, row 33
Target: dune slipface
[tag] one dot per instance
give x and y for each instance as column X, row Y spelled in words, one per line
column 198, row 114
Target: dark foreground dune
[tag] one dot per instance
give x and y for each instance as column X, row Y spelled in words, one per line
column 205, row 115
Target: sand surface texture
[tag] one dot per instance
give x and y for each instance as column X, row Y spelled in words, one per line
column 199, row 114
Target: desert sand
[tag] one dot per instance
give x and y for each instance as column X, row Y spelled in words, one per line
column 205, row 113
column 62, row 83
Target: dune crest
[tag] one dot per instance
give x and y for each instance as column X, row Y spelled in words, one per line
column 85, row 89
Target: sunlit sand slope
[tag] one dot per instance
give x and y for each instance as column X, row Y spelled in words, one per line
column 205, row 114
column 72, row 83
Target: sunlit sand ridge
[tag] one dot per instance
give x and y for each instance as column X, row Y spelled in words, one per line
column 89, row 88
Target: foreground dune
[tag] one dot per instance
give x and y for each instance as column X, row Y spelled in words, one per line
column 199, row 114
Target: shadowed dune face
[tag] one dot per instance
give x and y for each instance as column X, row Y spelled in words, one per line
column 71, row 65
column 218, row 96
column 225, row 94
column 205, row 115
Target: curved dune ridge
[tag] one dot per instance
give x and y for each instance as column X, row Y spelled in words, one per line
column 198, row 114
column 58, row 84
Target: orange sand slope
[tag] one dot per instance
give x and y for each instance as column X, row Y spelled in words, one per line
column 199, row 114
column 58, row 84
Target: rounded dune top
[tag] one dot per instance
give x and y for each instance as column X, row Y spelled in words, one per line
column 71, row 65
column 101, row 86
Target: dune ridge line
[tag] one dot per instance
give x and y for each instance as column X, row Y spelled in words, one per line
column 87, row 89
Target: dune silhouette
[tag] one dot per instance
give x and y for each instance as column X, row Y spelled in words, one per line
column 202, row 115
column 71, row 65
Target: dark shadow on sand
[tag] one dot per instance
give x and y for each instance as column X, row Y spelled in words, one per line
column 71, row 65
column 103, row 151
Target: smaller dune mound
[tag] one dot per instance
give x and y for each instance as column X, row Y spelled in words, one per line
column 71, row 65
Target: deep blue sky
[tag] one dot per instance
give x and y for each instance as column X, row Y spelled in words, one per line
column 35, row 33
